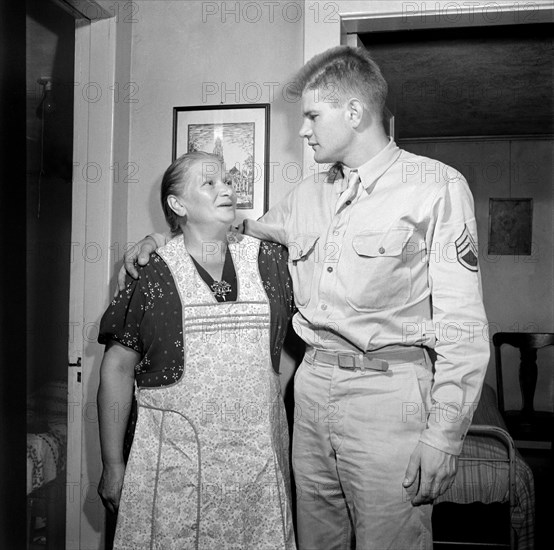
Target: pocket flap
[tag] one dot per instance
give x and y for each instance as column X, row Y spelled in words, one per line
column 381, row 243
column 301, row 246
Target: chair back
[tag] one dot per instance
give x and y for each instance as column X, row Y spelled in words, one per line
column 528, row 343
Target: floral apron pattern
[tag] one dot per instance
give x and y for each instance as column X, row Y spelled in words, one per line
column 209, row 464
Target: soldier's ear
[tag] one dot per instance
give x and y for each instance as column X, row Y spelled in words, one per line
column 355, row 110
column 177, row 205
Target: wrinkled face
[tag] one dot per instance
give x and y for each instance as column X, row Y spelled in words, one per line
column 325, row 127
column 208, row 195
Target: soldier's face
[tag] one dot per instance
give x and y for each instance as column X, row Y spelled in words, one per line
column 325, row 126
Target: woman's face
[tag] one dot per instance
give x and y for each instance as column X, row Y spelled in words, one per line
column 209, row 195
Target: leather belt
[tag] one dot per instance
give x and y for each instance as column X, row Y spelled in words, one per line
column 372, row 360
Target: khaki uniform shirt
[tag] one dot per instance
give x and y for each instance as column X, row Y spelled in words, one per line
column 396, row 267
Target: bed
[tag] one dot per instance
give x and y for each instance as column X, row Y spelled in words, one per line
column 46, row 459
column 487, row 472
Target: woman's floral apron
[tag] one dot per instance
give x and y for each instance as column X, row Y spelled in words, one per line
column 209, row 464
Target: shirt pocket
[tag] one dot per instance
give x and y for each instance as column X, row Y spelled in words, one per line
column 302, row 260
column 379, row 274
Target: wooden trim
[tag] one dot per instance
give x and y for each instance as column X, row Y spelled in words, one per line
column 84, row 9
column 415, row 15
column 76, row 291
column 99, row 203
column 515, row 137
column 95, row 51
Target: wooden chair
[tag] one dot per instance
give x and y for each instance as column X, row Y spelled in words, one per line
column 526, row 424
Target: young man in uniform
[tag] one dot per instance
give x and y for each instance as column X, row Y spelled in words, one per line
column 383, row 258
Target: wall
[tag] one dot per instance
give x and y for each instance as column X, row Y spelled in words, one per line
column 518, row 290
column 122, row 115
column 179, row 51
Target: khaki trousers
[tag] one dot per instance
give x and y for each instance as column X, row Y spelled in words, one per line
column 354, row 432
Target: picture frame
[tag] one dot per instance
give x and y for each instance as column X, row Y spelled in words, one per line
column 239, row 134
column 510, row 227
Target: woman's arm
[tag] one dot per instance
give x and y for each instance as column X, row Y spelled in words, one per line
column 115, row 394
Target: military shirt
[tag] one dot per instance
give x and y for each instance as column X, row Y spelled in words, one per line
column 396, row 266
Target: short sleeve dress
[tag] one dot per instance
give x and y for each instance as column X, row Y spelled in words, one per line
column 208, row 466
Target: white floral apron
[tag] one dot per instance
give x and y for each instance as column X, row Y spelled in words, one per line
column 209, row 464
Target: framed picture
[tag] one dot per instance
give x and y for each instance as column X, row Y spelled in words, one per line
column 510, row 226
column 239, row 135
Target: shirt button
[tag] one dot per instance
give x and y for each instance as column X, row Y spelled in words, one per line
column 336, row 233
column 330, row 269
column 381, row 250
column 324, row 306
column 348, row 203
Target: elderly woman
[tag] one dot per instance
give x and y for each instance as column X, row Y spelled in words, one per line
column 198, row 333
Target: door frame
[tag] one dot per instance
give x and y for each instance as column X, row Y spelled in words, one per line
column 92, row 184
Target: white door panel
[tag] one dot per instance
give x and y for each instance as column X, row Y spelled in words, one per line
column 90, row 274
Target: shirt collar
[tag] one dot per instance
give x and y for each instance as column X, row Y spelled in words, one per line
column 371, row 170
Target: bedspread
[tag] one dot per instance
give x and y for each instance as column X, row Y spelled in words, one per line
column 47, row 434
column 488, row 482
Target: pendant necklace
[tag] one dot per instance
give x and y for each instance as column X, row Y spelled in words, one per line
column 220, row 289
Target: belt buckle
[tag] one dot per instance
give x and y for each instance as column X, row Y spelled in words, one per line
column 346, row 362
column 362, row 362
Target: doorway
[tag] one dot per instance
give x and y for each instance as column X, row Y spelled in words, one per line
column 50, row 39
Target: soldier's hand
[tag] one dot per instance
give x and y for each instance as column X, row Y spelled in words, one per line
column 138, row 254
column 430, row 473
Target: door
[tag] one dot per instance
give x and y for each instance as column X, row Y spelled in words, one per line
column 91, row 268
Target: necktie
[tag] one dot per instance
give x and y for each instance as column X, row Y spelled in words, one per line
column 348, row 195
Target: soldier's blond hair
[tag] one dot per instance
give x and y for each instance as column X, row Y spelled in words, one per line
column 343, row 72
